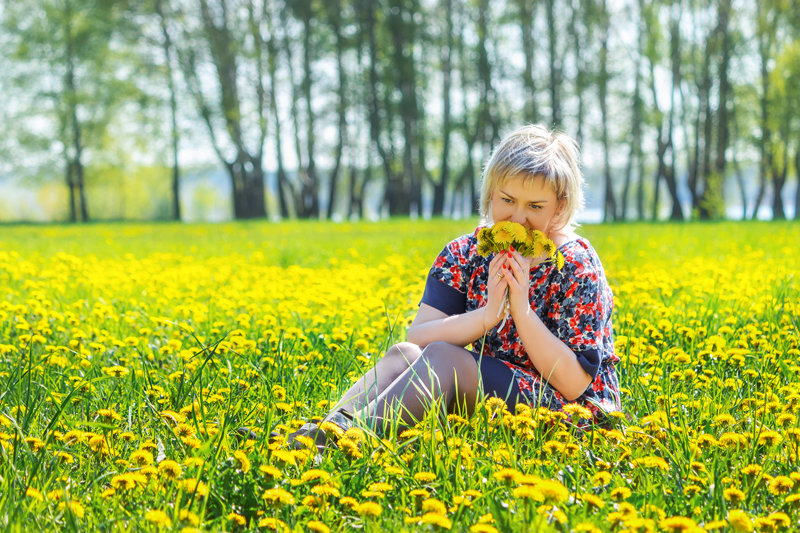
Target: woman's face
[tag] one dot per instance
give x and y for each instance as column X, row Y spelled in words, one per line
column 532, row 203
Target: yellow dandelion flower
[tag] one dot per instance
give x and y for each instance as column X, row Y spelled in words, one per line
column 271, row 471
column 528, row 492
column 553, row 491
column 30, row 492
column 483, row 528
column 601, row 479
column 715, row 525
column 434, row 506
column 74, row 507
column 242, row 461
column 347, row 501
column 577, row 410
column 325, row 491
column 780, row 485
column 676, row 524
column 315, row 474
column 505, row 232
column 751, row 470
column 272, row 524
column 188, row 517
column 507, row 475
column 159, row 518
column 170, row 469
column 141, row 458
column 651, row 462
column 184, row 430
column 779, row 520
column 424, row 477
column 436, row 519
column 410, row 433
column 237, row 519
column 740, row 521
column 620, row 493
column 769, row 438
column 108, row 415
column 65, row 458
column 317, row 526
column 691, row 490
column 194, row 462
column 195, row 486
column 592, row 500
column 128, row 481
column 278, row 496
column 369, row 509
column 350, row 448
column 380, row 487
column 732, row 440
column 116, row 371
column 733, row 495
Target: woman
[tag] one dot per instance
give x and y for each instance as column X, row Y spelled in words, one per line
column 556, row 346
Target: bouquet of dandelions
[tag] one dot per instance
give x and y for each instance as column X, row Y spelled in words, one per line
column 530, row 243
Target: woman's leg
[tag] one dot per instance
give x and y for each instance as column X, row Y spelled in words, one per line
column 443, row 372
column 396, row 361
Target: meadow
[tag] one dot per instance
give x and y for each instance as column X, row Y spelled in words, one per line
column 130, row 354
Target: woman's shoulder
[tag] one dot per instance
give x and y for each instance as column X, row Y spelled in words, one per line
column 580, row 258
column 464, row 248
column 466, row 242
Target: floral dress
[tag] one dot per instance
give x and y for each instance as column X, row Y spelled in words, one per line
column 574, row 303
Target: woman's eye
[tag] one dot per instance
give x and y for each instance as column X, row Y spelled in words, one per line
column 535, row 206
column 507, row 200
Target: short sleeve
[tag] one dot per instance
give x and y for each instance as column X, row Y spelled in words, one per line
column 579, row 311
column 446, row 286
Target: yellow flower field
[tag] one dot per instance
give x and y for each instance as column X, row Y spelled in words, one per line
column 130, row 355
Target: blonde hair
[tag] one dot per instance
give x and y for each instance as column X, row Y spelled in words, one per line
column 534, row 151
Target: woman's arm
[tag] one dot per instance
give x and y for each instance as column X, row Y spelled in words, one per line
column 553, row 359
column 431, row 324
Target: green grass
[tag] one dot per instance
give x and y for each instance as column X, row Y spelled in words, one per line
column 259, row 324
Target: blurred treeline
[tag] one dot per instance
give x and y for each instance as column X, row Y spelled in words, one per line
column 312, row 106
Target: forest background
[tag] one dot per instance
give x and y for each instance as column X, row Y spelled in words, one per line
column 351, row 109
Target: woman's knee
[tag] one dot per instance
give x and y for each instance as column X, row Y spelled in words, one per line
column 403, row 353
column 443, row 356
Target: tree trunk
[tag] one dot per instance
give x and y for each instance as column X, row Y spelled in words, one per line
column 526, row 18
column 440, row 187
column 609, row 201
column 580, row 43
column 341, row 108
column 635, row 149
column 737, row 169
column 555, row 63
column 245, row 170
column 310, row 188
column 669, row 175
column 368, row 22
column 285, row 191
column 487, row 118
column 76, row 163
column 766, row 38
column 778, row 181
column 166, row 45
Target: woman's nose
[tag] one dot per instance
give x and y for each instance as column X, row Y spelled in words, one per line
column 518, row 217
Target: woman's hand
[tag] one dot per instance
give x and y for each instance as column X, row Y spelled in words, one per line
column 518, row 275
column 496, row 285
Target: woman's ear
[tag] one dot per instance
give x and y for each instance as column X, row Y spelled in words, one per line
column 560, row 214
